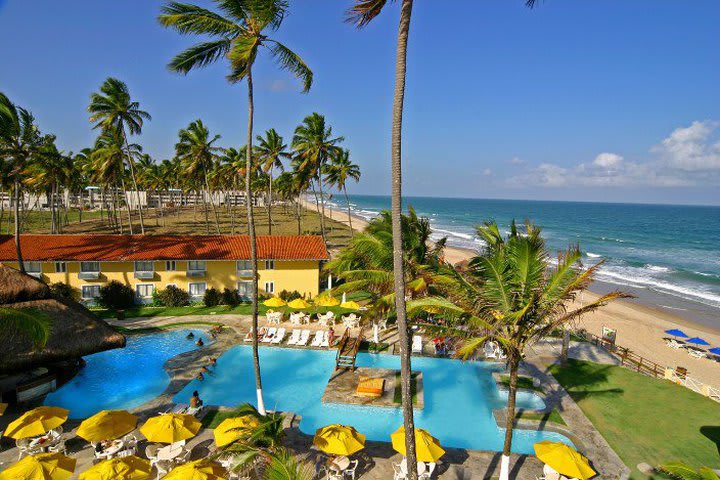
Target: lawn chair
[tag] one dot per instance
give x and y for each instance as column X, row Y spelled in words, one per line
column 294, row 337
column 398, row 472
column 279, row 336
column 430, row 469
column 325, row 340
column 672, row 343
column 304, row 338
column 270, row 335
column 350, row 471
column 58, row 445
column 327, row 319
column 417, row 344
column 318, row 339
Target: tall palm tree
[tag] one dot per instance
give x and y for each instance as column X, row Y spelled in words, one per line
column 315, row 146
column 113, row 108
column 361, row 14
column 239, row 31
column 271, row 151
column 339, row 171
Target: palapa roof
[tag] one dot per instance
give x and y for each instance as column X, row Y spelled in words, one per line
column 162, row 247
column 74, row 330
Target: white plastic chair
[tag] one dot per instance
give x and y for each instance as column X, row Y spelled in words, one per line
column 352, row 469
column 399, row 474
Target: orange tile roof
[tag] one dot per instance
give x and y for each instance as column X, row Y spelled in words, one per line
column 161, row 247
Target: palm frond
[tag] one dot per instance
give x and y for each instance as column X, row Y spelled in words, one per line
column 191, row 19
column 199, row 55
column 285, row 466
column 364, row 11
column 290, row 61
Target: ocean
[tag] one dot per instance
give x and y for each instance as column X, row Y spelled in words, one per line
column 666, row 255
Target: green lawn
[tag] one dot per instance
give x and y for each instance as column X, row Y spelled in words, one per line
column 523, row 382
column 553, row 416
column 645, row 419
column 214, row 417
column 397, row 396
column 243, row 309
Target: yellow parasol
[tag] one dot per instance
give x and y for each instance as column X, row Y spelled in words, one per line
column 564, row 459
column 107, row 425
column 351, row 305
column 170, row 428
column 234, row 428
column 326, row 301
column 298, row 304
column 202, row 469
column 427, row 447
column 126, row 468
column 339, row 439
column 43, row 466
column 37, row 421
column 274, row 302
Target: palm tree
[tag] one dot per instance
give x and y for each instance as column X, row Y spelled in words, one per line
column 361, row 14
column 315, row 146
column 271, row 151
column 238, row 32
column 113, row 108
column 338, row 172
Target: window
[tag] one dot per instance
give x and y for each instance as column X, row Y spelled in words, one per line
column 244, row 289
column 144, row 266
column 60, row 267
column 244, row 265
column 269, row 264
column 33, row 267
column 170, row 265
column 89, row 266
column 197, row 289
column 196, row 265
column 90, row 292
column 144, row 290
column 270, row 287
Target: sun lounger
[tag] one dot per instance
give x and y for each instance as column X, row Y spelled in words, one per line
column 490, row 350
column 279, row 336
column 672, row 343
column 370, row 387
column 270, row 335
column 304, row 338
column 318, row 339
column 417, row 344
column 294, row 337
column 249, row 336
column 696, row 353
column 325, row 340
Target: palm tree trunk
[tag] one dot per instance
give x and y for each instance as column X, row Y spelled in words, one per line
column 16, row 211
column 317, row 205
column 396, row 213
column 131, row 162
column 299, row 215
column 212, row 200
column 322, row 204
column 347, row 200
column 127, row 206
column 565, row 346
column 253, row 247
column 269, row 207
column 513, row 364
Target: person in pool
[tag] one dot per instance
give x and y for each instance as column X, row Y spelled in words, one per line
column 190, row 336
column 200, row 376
column 200, row 342
column 213, row 361
column 195, row 400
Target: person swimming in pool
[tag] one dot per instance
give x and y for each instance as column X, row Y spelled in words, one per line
column 200, row 342
column 200, row 376
column 190, row 336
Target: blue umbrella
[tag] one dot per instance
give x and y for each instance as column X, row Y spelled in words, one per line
column 715, row 350
column 697, row 341
column 676, row 333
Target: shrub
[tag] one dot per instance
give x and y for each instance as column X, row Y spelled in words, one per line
column 289, row 296
column 116, row 295
column 63, row 290
column 172, row 296
column 212, row 297
column 231, row 297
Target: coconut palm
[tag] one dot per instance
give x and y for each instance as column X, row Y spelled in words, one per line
column 339, row 171
column 239, row 31
column 113, row 108
column 271, row 151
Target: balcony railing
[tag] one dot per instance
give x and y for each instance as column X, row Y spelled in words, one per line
column 246, row 272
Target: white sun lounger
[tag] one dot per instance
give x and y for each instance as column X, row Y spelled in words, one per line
column 249, row 336
column 318, row 339
column 304, row 338
column 489, row 350
column 270, row 335
column 417, row 344
column 294, row 337
column 325, row 340
column 697, row 353
column 279, row 336
column 672, row 343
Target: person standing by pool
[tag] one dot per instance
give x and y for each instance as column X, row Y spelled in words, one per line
column 195, row 400
column 331, row 336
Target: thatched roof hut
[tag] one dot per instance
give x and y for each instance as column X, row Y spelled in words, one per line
column 74, row 330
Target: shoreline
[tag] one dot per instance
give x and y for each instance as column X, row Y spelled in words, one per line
column 640, row 327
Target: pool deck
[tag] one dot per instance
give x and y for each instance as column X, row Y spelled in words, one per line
column 342, row 385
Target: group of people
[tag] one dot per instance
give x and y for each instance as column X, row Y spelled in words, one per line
column 199, row 342
column 205, row 369
column 444, row 346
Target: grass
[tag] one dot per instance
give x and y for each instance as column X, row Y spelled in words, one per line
column 553, row 416
column 242, row 309
column 213, row 418
column 372, row 347
column 158, row 328
column 644, row 419
column 397, row 396
column 523, row 382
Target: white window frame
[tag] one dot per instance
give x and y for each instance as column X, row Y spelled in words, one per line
column 144, row 285
column 196, row 264
column 245, row 284
column 243, row 265
column 170, row 265
column 33, row 266
column 93, row 286
column 269, row 264
column 143, row 264
column 60, row 267
column 271, row 284
column 82, row 270
column 190, row 289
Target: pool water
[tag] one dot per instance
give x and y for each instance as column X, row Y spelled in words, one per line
column 123, row 378
column 459, row 397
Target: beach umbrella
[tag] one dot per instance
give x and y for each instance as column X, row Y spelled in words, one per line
column 715, row 351
column 202, row 469
column 298, row 304
column 107, row 425
column 676, row 332
column 351, row 305
column 125, row 468
column 37, row 421
column 339, row 439
column 327, row 301
column 274, row 302
column 427, row 447
column 564, row 459
column 697, row 341
column 43, row 466
column 170, row 428
column 232, row 429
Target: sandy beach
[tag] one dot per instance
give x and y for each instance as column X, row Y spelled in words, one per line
column 639, row 327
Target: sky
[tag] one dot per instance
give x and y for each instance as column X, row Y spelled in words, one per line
column 573, row 100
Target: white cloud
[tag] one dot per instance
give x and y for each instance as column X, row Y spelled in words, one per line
column 608, row 160
column 487, row 172
column 517, row 161
column 689, row 148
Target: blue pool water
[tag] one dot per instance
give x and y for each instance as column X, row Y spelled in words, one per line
column 125, row 377
column 459, row 397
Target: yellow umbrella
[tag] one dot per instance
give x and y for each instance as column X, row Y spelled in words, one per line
column 202, row 469
column 351, row 305
column 339, row 440
column 37, row 421
column 327, row 301
column 170, row 428
column 107, row 425
column 43, row 466
column 298, row 304
column 126, row 468
column 232, row 429
column 274, row 302
column 427, row 447
column 564, row 459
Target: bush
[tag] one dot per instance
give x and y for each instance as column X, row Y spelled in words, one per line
column 231, row 297
column 212, row 297
column 289, row 296
column 172, row 296
column 116, row 295
column 63, row 290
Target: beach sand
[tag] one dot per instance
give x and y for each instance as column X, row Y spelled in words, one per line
column 639, row 327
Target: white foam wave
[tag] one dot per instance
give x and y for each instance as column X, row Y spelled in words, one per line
column 592, row 255
column 464, row 236
column 657, row 268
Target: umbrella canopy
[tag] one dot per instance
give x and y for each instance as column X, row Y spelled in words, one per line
column 234, row 428
column 126, row 468
column 564, row 459
column 37, row 421
column 298, row 304
column 351, row 305
column 107, row 425
column 202, row 469
column 327, row 301
column 339, row 439
column 44, row 466
column 274, row 302
column 170, row 428
column 427, row 447
column 697, row 341
column 676, row 332
column 715, row 350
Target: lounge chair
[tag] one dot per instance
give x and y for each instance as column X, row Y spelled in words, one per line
column 270, row 335
column 294, row 337
column 279, row 336
column 398, row 472
column 325, row 340
column 327, row 319
column 430, row 469
column 304, row 338
column 672, row 343
column 696, row 353
column 490, row 349
column 249, row 336
column 370, row 387
column 317, row 340
column 350, row 471
column 417, row 344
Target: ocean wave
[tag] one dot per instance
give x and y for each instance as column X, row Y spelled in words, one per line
column 610, row 239
column 657, row 268
column 464, row 236
column 592, row 255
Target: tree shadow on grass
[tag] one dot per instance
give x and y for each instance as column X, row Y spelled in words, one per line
column 712, row 433
column 583, row 379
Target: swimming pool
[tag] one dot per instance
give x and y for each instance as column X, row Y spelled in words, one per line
column 459, row 397
column 124, row 377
